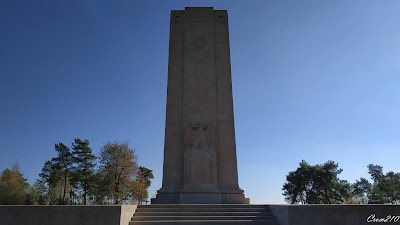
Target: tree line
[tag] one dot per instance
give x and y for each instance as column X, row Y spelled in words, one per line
column 77, row 177
column 319, row 184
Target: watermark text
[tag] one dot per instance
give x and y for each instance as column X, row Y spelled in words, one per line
column 388, row 219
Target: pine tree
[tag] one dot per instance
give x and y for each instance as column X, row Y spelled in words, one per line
column 84, row 160
column 42, row 190
column 50, row 176
column 63, row 163
column 144, row 182
column 317, row 184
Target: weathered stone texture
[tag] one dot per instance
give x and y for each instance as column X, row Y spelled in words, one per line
column 199, row 97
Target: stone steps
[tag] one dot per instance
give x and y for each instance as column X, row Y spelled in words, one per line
column 199, row 214
column 172, row 213
column 206, row 222
column 243, row 206
column 147, row 218
column 196, row 210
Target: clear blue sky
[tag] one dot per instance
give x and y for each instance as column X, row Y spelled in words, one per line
column 313, row 80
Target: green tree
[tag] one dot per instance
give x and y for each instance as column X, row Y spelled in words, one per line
column 143, row 179
column 12, row 187
column 42, row 192
column 385, row 187
column 98, row 194
column 145, row 175
column 317, row 184
column 48, row 174
column 63, row 163
column 84, row 166
column 57, row 174
column 118, row 169
column 376, row 172
column 361, row 188
column 51, row 178
column 32, row 195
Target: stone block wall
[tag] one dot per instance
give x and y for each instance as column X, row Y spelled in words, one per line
column 336, row 214
column 66, row 215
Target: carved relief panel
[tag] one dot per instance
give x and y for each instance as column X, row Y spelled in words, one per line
column 200, row 156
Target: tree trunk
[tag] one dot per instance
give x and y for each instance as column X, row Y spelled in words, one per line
column 84, row 193
column 327, row 200
column 65, row 188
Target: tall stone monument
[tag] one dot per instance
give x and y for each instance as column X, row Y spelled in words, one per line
column 200, row 151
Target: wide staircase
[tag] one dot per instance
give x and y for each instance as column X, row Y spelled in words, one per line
column 203, row 214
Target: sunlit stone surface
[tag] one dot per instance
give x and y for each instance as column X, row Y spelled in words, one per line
column 200, row 151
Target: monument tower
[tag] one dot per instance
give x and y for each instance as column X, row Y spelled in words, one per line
column 200, row 152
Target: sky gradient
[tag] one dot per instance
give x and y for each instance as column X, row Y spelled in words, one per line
column 312, row 80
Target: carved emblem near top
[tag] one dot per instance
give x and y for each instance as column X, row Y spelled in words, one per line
column 200, row 136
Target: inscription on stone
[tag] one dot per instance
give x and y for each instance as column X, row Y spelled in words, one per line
column 200, row 168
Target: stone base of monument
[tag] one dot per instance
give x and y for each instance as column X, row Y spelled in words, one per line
column 201, row 197
column 192, row 214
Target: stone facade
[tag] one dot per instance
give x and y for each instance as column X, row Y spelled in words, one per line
column 200, row 152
